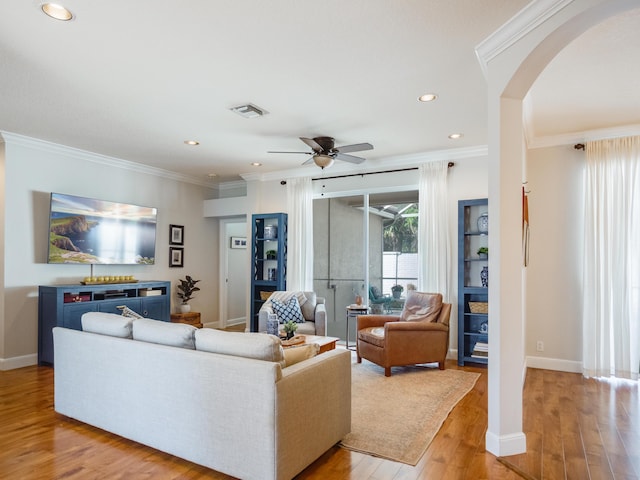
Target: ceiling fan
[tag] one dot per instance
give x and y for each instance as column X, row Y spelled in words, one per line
column 324, row 151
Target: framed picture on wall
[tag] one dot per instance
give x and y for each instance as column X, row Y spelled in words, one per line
column 176, row 235
column 238, row 242
column 176, row 257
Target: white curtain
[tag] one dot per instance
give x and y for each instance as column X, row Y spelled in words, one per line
column 611, row 259
column 300, row 235
column 433, row 239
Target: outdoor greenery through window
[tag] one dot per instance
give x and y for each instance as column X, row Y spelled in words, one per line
column 400, row 248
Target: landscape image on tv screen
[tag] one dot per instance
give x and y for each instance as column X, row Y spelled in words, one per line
column 87, row 230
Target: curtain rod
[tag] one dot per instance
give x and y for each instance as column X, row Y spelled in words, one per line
column 579, row 146
column 449, row 165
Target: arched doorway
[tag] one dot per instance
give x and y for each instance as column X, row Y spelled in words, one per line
column 513, row 58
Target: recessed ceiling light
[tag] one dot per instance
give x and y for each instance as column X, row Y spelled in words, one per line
column 456, row 136
column 57, row 11
column 256, row 164
column 427, row 97
column 191, row 142
column 212, row 175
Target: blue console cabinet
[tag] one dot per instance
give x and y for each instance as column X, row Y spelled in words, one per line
column 64, row 305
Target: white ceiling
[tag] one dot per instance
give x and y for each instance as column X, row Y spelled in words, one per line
column 134, row 79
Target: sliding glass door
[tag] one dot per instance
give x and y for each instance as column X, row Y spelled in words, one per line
column 364, row 245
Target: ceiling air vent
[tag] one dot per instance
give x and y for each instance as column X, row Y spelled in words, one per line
column 249, row 111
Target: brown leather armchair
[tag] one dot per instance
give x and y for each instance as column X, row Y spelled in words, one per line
column 420, row 334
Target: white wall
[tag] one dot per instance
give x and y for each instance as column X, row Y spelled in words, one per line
column 554, row 274
column 33, row 170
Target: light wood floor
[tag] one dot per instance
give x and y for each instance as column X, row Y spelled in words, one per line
column 576, row 428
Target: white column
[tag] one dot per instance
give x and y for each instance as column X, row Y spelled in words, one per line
column 506, row 326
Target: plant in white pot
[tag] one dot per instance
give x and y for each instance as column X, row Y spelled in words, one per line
column 186, row 290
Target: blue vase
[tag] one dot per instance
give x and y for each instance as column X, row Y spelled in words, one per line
column 483, row 223
column 484, row 276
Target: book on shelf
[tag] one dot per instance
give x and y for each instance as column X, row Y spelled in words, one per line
column 480, row 350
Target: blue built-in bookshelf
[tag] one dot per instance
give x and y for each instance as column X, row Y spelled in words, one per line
column 473, row 291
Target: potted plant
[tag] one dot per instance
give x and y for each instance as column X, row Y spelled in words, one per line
column 483, row 252
column 290, row 328
column 396, row 291
column 271, row 254
column 186, row 289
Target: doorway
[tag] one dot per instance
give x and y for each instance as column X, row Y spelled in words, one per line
column 233, row 273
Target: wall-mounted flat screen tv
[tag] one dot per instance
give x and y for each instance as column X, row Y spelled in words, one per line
column 87, row 230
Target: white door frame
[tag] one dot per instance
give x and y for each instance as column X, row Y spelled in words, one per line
column 223, row 310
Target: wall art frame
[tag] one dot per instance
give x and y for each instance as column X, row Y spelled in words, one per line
column 176, row 257
column 238, row 242
column 176, row 235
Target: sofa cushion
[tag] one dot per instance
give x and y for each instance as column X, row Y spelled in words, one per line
column 309, row 307
column 164, row 333
column 297, row 354
column 421, row 307
column 249, row 345
column 372, row 335
column 106, row 324
column 288, row 312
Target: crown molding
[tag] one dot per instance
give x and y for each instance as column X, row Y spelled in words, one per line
column 523, row 22
column 78, row 154
column 586, row 136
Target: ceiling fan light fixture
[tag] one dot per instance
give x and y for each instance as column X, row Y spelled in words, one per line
column 323, row 161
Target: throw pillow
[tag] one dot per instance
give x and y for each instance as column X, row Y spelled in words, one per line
column 289, row 311
column 285, row 296
column 375, row 291
column 127, row 312
column 421, row 307
column 293, row 355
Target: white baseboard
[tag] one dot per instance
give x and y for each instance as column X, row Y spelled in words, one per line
column 211, row 325
column 236, row 321
column 558, row 364
column 505, row 445
column 18, row 362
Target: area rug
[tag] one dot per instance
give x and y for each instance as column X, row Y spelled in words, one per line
column 397, row 417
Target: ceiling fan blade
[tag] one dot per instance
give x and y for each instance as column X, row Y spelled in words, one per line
column 356, row 147
column 313, row 144
column 304, row 153
column 308, row 161
column 349, row 158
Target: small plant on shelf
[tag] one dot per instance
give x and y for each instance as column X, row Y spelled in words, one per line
column 483, row 252
column 271, row 254
column 397, row 290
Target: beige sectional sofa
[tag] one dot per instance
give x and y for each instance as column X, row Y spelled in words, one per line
column 203, row 395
